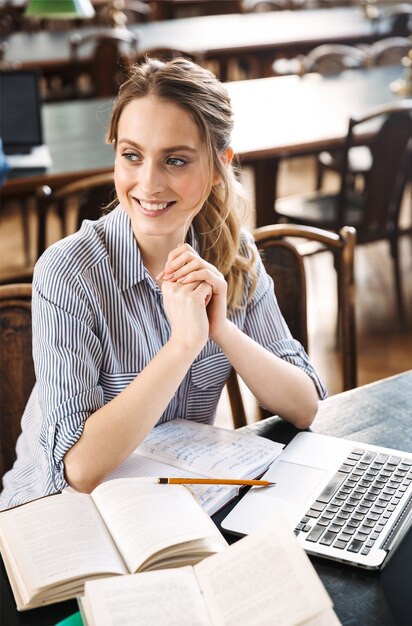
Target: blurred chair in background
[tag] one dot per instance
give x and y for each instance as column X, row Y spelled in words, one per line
column 112, row 51
column 86, row 198
column 374, row 211
column 16, row 366
column 326, row 59
column 389, row 51
column 279, row 246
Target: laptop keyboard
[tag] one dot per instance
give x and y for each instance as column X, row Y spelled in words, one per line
column 358, row 502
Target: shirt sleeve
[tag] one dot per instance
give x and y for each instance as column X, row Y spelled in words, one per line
column 265, row 324
column 67, row 356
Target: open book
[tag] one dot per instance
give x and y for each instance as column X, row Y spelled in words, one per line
column 186, row 448
column 52, row 545
column 263, row 579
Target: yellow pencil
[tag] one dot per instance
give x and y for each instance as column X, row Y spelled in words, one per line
column 213, row 481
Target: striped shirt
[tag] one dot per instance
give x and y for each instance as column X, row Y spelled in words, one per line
column 98, row 320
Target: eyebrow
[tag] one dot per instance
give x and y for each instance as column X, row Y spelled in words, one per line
column 180, row 148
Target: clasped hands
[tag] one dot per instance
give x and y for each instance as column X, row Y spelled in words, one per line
column 194, row 295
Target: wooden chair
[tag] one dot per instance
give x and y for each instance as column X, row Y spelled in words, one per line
column 168, row 54
column 279, row 246
column 399, row 17
column 327, row 59
column 109, row 62
column 374, row 211
column 16, row 366
column 87, row 196
column 262, row 6
column 389, row 51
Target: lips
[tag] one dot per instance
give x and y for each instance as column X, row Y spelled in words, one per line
column 151, row 208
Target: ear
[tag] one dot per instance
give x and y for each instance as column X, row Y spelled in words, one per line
column 226, row 158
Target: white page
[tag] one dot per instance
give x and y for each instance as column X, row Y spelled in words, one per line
column 163, row 598
column 210, row 497
column 208, row 450
column 144, row 518
column 59, row 537
column 262, row 580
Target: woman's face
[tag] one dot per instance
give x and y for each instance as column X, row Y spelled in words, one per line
column 161, row 167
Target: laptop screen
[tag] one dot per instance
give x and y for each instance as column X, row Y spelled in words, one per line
column 20, row 115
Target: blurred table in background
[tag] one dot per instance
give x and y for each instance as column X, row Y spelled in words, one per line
column 253, row 40
column 274, row 118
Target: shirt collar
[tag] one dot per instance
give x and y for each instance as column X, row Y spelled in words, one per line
column 123, row 249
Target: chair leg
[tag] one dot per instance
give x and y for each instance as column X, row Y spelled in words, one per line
column 394, row 246
column 24, row 207
column 320, row 170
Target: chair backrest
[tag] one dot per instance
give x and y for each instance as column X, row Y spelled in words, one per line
column 109, row 63
column 389, row 51
column 167, row 54
column 388, row 172
column 16, row 366
column 329, row 59
column 263, row 6
column 279, row 248
column 399, row 16
column 88, row 196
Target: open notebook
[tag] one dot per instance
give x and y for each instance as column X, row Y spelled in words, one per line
column 346, row 501
column 20, row 120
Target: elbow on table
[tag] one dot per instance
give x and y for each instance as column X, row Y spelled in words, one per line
column 79, row 478
column 306, row 414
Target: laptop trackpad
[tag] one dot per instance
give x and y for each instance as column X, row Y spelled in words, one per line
column 296, row 488
column 293, row 481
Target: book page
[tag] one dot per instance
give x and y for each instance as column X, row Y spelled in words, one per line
column 145, row 518
column 58, row 538
column 208, row 450
column 210, row 497
column 263, row 579
column 163, row 598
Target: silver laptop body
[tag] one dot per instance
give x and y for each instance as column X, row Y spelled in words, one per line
column 346, row 501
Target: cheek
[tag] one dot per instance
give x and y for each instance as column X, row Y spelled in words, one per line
column 122, row 179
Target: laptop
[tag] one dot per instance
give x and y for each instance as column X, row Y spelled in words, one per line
column 20, row 120
column 346, row 501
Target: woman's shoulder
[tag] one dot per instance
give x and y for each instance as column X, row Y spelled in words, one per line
column 79, row 252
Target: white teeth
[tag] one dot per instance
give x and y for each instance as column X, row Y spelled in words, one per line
column 149, row 206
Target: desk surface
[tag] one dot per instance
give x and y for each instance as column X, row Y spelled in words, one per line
column 274, row 117
column 217, row 35
column 379, row 413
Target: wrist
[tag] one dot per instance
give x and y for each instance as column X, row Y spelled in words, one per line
column 224, row 333
column 185, row 349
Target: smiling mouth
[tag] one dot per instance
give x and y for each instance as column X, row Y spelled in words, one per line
column 154, row 207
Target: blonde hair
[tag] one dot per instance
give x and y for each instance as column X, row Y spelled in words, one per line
column 205, row 99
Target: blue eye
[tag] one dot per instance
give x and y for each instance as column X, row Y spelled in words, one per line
column 131, row 156
column 176, row 162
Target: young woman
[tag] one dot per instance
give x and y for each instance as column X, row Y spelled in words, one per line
column 139, row 316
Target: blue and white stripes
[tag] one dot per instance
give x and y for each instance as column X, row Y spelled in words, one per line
column 98, row 320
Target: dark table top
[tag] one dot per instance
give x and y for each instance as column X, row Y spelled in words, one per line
column 380, row 413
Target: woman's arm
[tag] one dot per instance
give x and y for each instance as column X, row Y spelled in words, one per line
column 278, row 385
column 112, row 433
column 281, row 387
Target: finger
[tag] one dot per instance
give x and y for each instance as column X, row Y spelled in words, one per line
column 204, row 291
column 216, row 281
column 179, row 262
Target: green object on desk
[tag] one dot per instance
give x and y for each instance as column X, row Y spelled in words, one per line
column 60, row 9
column 72, row 620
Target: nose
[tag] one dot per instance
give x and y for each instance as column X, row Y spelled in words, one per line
column 151, row 179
